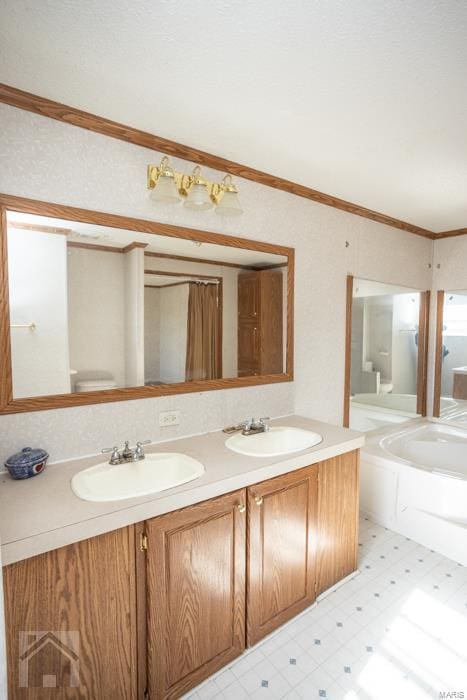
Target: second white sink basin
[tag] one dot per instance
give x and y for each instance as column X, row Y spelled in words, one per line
column 276, row 441
column 157, row 472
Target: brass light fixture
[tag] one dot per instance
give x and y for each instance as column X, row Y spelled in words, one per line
column 199, row 194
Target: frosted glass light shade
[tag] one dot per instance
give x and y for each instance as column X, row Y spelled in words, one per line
column 229, row 205
column 198, row 198
column 165, row 190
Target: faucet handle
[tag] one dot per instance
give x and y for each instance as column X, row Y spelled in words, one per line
column 139, row 452
column 109, row 449
column 115, row 456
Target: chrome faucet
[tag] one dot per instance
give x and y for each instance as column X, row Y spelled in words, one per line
column 128, row 454
column 250, row 426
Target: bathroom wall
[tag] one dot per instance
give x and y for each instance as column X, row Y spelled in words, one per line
column 134, row 317
column 38, row 155
column 3, row 671
column 379, row 321
column 152, row 316
column 38, row 294
column 357, row 345
column 383, row 333
column 173, row 333
column 406, row 308
column 96, row 313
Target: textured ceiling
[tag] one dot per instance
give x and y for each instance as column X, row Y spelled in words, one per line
column 362, row 99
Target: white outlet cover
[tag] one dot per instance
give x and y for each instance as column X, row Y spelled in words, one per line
column 167, row 418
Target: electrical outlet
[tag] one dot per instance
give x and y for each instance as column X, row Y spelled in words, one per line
column 167, row 418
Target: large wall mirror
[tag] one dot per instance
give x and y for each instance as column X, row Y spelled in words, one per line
column 450, row 391
column 104, row 308
column 386, row 354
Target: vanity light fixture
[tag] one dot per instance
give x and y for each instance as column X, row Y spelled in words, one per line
column 170, row 186
column 166, row 190
column 198, row 196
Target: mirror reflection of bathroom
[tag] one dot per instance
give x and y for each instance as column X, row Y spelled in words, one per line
column 384, row 352
column 95, row 307
column 453, row 403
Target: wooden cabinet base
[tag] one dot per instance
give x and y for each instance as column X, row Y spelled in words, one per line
column 70, row 621
column 196, row 593
column 337, row 519
column 166, row 616
column 281, row 543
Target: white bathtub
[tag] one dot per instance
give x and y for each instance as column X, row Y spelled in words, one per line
column 393, row 402
column 374, row 411
column 414, row 480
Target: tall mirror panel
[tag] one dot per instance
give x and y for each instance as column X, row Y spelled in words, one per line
column 384, row 354
column 451, row 357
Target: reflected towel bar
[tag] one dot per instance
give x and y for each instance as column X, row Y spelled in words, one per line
column 31, row 326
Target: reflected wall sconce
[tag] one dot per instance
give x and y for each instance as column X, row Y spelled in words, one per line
column 198, row 194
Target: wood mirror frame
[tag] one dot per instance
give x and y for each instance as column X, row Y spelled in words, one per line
column 422, row 355
column 37, row 403
column 438, row 354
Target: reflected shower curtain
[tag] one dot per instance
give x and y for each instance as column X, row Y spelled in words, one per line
column 202, row 353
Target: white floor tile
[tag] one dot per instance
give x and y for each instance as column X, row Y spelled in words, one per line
column 396, row 631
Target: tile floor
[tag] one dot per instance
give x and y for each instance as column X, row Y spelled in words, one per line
column 397, row 631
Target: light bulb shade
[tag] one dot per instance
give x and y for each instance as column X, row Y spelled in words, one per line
column 198, row 198
column 165, row 190
column 229, row 205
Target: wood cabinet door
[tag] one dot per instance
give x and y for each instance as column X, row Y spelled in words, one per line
column 281, row 540
column 249, row 348
column 249, row 296
column 271, row 323
column 195, row 593
column 70, row 621
column 338, row 519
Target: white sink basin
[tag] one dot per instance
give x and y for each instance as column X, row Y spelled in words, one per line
column 276, row 441
column 157, row 472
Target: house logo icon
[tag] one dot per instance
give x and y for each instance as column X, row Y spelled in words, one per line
column 48, row 659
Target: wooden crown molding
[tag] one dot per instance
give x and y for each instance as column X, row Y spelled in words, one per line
column 76, row 117
column 106, row 248
column 133, row 246
column 195, row 275
column 203, row 261
column 451, row 234
column 40, row 228
column 94, row 247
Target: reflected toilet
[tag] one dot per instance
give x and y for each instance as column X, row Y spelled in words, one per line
column 95, row 384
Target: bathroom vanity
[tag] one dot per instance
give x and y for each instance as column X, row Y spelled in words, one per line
column 166, row 590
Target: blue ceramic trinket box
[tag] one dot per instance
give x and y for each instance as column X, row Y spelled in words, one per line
column 29, row 462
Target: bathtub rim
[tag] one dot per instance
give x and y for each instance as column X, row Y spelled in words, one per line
column 374, row 450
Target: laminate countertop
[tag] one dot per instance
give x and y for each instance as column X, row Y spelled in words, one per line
column 42, row 513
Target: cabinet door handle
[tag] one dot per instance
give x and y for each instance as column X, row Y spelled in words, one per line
column 258, row 500
column 241, row 507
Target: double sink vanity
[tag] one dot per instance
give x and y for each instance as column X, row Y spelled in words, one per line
column 169, row 567
column 136, row 474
